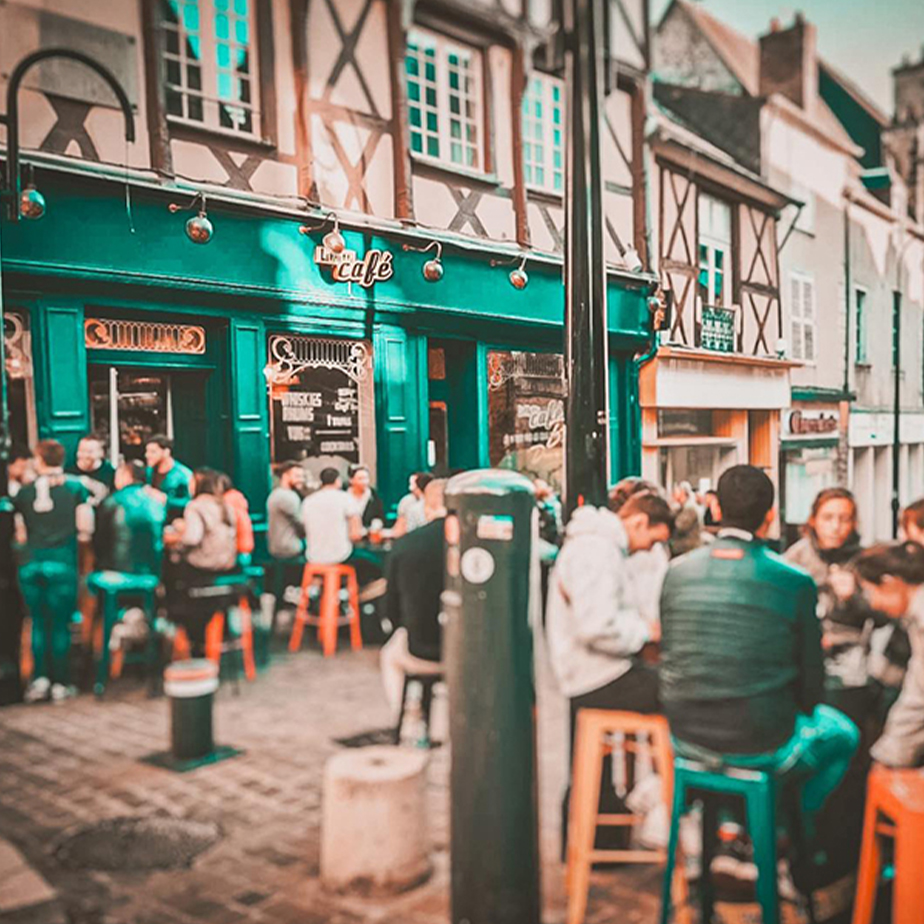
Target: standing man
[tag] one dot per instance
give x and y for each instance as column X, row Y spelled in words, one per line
column 53, row 513
column 92, row 466
column 742, row 672
column 165, row 474
column 412, row 602
column 19, row 470
column 285, row 530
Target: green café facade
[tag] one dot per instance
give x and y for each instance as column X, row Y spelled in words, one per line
column 251, row 349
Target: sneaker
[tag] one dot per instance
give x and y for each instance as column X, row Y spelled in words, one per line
column 38, row 691
column 733, row 870
column 60, row 692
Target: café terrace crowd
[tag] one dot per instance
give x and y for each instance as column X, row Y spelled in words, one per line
column 808, row 665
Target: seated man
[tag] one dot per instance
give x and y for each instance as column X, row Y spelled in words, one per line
column 130, row 525
column 330, row 524
column 742, row 673
column 285, row 534
column 412, row 602
column 167, row 475
column 892, row 577
column 595, row 629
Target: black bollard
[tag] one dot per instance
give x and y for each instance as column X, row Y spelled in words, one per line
column 492, row 699
column 191, row 687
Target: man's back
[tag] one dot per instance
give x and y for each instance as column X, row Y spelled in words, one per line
column 129, row 532
column 327, row 526
column 741, row 647
column 415, row 584
column 48, row 507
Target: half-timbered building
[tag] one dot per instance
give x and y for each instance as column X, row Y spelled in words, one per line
column 337, row 233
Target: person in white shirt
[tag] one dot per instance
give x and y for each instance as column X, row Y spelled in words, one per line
column 411, row 513
column 331, row 524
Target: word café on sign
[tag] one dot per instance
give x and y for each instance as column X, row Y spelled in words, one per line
column 375, row 266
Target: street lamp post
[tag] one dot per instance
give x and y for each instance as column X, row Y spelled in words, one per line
column 586, row 354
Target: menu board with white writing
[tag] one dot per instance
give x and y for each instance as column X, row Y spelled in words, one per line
column 316, row 415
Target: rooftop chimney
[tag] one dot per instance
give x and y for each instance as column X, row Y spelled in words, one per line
column 789, row 63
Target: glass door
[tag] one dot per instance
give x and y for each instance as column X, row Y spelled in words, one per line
column 128, row 407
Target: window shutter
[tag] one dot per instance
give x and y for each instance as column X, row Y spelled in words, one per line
column 795, row 309
column 808, row 316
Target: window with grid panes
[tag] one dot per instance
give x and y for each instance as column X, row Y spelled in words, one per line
column 543, row 147
column 210, row 63
column 715, row 242
column 860, row 307
column 444, row 99
column 802, row 316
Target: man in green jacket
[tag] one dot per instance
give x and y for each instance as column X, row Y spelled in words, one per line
column 742, row 674
column 130, row 525
column 165, row 474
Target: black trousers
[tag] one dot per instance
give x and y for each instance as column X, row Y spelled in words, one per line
column 634, row 691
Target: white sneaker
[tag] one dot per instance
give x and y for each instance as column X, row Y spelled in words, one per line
column 60, row 693
column 654, row 831
column 38, row 691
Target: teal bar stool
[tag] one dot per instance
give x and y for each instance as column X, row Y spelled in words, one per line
column 759, row 791
column 112, row 588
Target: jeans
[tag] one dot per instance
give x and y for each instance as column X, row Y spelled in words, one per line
column 50, row 591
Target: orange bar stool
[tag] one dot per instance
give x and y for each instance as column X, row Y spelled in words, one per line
column 595, row 728
column 332, row 578
column 894, row 809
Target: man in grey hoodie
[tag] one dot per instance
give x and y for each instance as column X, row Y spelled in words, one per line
column 595, row 626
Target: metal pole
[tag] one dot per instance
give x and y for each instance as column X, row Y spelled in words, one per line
column 897, row 405
column 586, row 354
column 492, row 700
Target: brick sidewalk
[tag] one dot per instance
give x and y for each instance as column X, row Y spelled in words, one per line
column 65, row 766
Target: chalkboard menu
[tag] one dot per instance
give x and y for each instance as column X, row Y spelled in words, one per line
column 316, row 415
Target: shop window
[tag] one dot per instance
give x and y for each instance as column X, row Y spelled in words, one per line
column 20, row 379
column 210, row 63
column 715, row 244
column 684, row 422
column 444, row 89
column 802, row 316
column 543, row 145
column 859, row 308
column 322, row 408
column 699, row 465
column 526, row 414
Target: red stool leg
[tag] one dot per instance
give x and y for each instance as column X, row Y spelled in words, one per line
column 870, row 862
column 330, row 599
column 214, row 632
column 908, row 904
column 250, row 665
column 181, row 647
column 301, row 613
column 356, row 635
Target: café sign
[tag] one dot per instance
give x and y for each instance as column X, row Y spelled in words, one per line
column 375, row 266
column 810, row 423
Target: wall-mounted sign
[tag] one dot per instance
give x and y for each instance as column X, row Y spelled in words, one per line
column 375, row 266
column 717, row 331
column 810, row 423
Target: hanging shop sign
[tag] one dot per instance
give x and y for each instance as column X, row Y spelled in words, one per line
column 800, row 423
column 718, row 329
column 375, row 266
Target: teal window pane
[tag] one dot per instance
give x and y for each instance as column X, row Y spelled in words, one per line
column 719, row 259
column 556, row 137
column 456, row 152
column 221, row 26
column 433, row 147
column 192, row 48
column 417, row 142
column 528, row 150
column 191, row 18
column 221, row 6
column 430, row 72
column 528, row 173
column 540, row 176
column 240, row 7
column 411, row 66
column 454, row 80
column 556, row 93
column 224, row 86
column 556, row 160
column 540, row 153
column 556, row 117
column 537, row 131
column 558, row 182
column 432, row 124
column 242, row 32
column 453, row 60
column 455, row 106
column 431, row 96
column 242, row 61
column 223, row 56
column 414, row 113
column 455, row 128
column 413, row 92
column 538, row 109
column 430, row 52
column 719, row 278
column 171, row 11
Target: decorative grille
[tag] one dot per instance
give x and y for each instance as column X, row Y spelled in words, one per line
column 148, row 336
column 290, row 354
column 505, row 366
column 17, row 346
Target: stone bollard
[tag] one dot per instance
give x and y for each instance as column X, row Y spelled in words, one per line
column 374, row 835
column 190, row 686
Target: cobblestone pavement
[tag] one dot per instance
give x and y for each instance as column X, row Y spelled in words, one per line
column 65, row 766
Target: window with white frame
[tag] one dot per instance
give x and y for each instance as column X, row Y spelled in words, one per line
column 543, row 138
column 859, row 301
column 210, row 63
column 802, row 316
column 444, row 99
column 715, row 245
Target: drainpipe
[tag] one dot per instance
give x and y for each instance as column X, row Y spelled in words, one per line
column 844, row 442
column 897, row 401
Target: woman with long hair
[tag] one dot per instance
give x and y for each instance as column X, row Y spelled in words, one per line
column 829, row 544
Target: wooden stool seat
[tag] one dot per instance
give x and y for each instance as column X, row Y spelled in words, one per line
column 894, row 809
column 332, row 578
column 591, row 743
